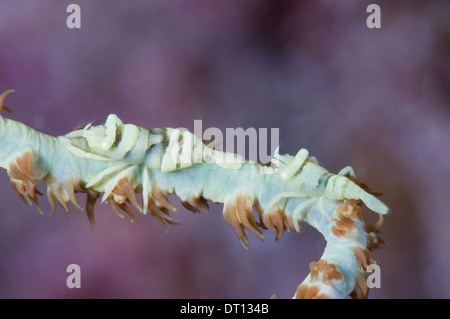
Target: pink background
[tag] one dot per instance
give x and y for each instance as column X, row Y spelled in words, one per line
column 375, row 99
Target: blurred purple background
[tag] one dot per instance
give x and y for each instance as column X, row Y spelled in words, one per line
column 375, row 99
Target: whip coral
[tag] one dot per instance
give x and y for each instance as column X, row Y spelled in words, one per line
column 120, row 160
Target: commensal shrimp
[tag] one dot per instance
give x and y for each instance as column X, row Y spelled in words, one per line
column 120, row 160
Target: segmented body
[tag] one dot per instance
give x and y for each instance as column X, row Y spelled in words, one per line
column 120, row 160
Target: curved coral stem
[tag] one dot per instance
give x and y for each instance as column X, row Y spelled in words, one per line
column 341, row 270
